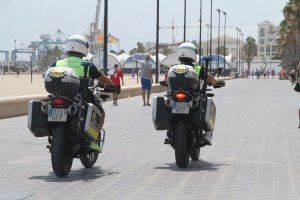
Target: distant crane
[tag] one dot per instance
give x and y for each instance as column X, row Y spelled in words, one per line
column 59, row 38
column 173, row 28
column 48, row 41
column 93, row 30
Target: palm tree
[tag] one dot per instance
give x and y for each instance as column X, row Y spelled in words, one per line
column 249, row 51
column 289, row 42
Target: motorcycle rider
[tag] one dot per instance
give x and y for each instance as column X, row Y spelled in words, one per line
column 187, row 55
column 77, row 48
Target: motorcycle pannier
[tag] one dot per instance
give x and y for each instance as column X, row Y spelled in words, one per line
column 62, row 81
column 94, row 122
column 205, row 115
column 160, row 115
column 37, row 122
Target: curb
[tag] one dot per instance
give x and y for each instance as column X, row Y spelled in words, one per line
column 18, row 106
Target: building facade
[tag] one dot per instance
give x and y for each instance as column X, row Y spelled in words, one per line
column 267, row 42
column 231, row 46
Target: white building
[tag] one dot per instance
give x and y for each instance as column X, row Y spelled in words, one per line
column 231, row 46
column 267, row 42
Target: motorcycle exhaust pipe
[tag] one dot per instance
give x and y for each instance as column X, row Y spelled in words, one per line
column 73, row 110
column 44, row 108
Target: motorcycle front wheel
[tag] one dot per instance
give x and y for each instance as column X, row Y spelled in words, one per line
column 89, row 160
column 61, row 154
column 180, row 145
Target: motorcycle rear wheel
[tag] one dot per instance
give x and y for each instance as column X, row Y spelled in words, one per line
column 89, row 160
column 61, row 154
column 180, row 145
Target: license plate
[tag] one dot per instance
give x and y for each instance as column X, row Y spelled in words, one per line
column 180, row 107
column 57, row 115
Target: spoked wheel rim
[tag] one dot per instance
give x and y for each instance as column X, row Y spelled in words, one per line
column 91, row 156
column 89, row 159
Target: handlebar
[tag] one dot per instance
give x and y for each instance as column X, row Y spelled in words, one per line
column 107, row 89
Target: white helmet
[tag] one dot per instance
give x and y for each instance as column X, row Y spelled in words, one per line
column 77, row 43
column 187, row 51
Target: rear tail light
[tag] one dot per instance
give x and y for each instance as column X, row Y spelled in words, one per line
column 181, row 96
column 58, row 102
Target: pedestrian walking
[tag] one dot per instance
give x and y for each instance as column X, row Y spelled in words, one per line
column 115, row 78
column 252, row 74
column 273, row 74
column 146, row 80
column 18, row 73
column 297, row 87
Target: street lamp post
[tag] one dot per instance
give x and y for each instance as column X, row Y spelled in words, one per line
column 157, row 42
column 219, row 11
column 237, row 49
column 200, row 35
column 15, row 59
column 105, row 48
column 184, row 28
column 207, row 42
column 240, row 51
column 210, row 51
column 225, row 14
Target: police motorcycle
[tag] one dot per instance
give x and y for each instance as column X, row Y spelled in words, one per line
column 187, row 112
column 71, row 117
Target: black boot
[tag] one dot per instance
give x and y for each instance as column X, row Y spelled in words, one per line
column 207, row 138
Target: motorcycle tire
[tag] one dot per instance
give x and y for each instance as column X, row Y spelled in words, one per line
column 195, row 154
column 89, row 160
column 61, row 155
column 180, row 144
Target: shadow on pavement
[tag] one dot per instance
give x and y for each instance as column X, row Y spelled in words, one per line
column 194, row 166
column 77, row 175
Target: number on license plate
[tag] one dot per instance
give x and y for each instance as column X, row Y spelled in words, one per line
column 180, row 107
column 57, row 115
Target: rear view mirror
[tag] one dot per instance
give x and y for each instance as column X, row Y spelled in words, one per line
column 97, row 61
column 163, row 83
column 220, row 70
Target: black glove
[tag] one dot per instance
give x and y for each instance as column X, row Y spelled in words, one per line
column 110, row 89
column 219, row 84
column 297, row 87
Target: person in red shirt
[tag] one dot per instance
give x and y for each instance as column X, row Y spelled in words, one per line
column 115, row 78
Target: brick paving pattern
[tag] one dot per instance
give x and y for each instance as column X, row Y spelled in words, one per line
column 255, row 155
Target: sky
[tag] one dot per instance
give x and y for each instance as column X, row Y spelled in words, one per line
column 130, row 21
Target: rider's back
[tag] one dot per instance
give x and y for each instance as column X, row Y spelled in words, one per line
column 183, row 77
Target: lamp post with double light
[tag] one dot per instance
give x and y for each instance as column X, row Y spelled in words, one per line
column 219, row 11
column 225, row 24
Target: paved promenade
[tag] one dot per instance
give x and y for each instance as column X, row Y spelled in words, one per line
column 255, row 154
